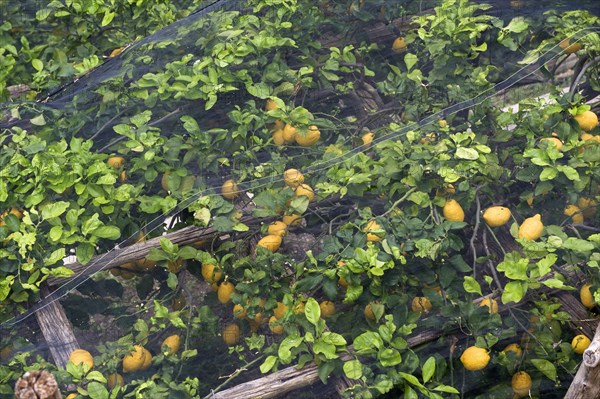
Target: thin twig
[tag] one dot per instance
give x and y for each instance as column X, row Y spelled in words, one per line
column 579, row 76
column 395, row 204
column 233, row 375
column 475, row 229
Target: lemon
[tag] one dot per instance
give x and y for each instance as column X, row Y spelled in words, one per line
column 147, row 360
column 299, row 308
column 270, row 105
column 135, row 360
column 580, row 343
column 309, row 138
column 278, row 139
column 399, row 45
column 453, row 212
column 271, row 242
column 555, row 141
column 115, row 379
column 172, row 342
column 293, row 177
column 369, row 312
column 163, row 181
column 442, row 123
column 278, row 124
column 421, row 304
column 367, row 138
column 492, row 305
column 496, row 216
column 475, row 358
column 232, row 334
column 145, row 265
column 568, row 47
column 531, row 228
column 575, row 213
column 587, row 120
column 280, row 310
column 116, row 162
column 289, row 133
column 587, row 206
column 275, row 326
column 71, row 396
column 585, row 294
column 277, row 228
column 521, row 384
column 79, row 356
column 224, row 292
column 305, row 190
column 515, row 348
column 327, row 309
column 229, row 190
column 211, row 273
column 292, row 220
column 372, row 225
column 239, row 312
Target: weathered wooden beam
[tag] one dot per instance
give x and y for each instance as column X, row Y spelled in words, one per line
column 57, row 330
column 586, row 384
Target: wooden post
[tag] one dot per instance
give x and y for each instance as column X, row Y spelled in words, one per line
column 57, row 330
column 586, row 384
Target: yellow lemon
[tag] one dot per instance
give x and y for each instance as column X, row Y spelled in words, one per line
column 515, row 348
column 115, row 379
column 475, row 358
column 232, row 334
column 289, row 133
column 280, row 310
column 135, row 360
column 278, row 139
column 116, row 162
column 224, row 292
column 275, row 325
column 521, row 384
column 305, row 190
column 575, row 213
column 580, row 343
column 239, row 312
column 82, row 356
column 271, row 242
column 172, row 342
column 71, row 396
column 587, row 120
column 453, row 211
column 421, row 304
column 369, row 312
column 587, row 206
column 211, row 273
column 270, row 105
column 372, row 225
column 569, row 48
column 327, row 309
column 229, row 190
column 367, row 138
column 531, row 228
column 277, row 228
column 293, row 177
column 585, row 294
column 492, row 305
column 555, row 141
column 399, row 45
column 292, row 220
column 309, row 138
column 147, row 360
column 299, row 308
column 496, row 216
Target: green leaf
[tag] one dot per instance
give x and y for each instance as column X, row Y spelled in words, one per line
column 547, row 368
column 268, row 364
column 514, row 291
column 289, row 342
column 37, row 64
column 84, row 252
column 471, row 285
column 367, row 341
column 54, row 209
column 389, row 357
column 168, row 246
column 312, row 311
column 578, row 245
column 353, row 369
column 446, row 388
column 109, row 232
column 333, row 338
column 326, row 349
column 548, row 173
column 410, row 60
column 545, row 264
column 428, row 369
column 411, row 379
column 466, row 153
column 97, row 390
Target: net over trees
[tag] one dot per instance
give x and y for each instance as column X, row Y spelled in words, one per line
column 299, row 198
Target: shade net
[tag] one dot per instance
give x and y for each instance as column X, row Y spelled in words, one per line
column 203, row 194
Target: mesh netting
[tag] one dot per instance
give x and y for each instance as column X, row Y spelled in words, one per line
column 201, row 195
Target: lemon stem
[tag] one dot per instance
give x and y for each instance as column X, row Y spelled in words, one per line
column 395, row 204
